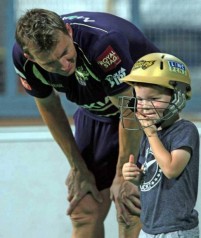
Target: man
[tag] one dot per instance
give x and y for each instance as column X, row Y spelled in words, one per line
column 84, row 54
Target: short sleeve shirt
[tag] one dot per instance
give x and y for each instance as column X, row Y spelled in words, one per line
column 168, row 204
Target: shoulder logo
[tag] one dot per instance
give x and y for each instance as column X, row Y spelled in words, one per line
column 85, row 19
column 108, row 60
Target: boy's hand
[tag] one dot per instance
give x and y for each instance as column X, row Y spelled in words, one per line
column 130, row 171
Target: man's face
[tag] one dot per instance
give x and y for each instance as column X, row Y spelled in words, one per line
column 61, row 59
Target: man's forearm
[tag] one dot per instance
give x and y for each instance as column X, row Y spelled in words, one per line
column 129, row 142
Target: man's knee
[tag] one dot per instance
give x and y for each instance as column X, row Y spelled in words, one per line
column 134, row 222
column 83, row 217
column 91, row 212
column 86, row 214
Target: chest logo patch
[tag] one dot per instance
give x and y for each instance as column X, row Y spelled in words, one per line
column 108, row 60
column 153, row 173
column 114, row 79
column 81, row 75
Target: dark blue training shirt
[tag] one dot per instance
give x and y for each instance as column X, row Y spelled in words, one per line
column 107, row 47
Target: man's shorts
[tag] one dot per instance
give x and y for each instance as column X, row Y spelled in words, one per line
column 98, row 143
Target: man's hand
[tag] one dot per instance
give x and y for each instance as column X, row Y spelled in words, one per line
column 79, row 185
column 127, row 199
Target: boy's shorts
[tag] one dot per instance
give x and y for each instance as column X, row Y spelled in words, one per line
column 192, row 233
column 99, row 146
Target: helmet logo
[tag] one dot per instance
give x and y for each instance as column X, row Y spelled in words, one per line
column 144, row 64
column 177, row 67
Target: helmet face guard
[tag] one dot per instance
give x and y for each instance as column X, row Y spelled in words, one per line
column 129, row 105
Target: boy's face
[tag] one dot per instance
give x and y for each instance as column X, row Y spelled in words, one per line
column 152, row 100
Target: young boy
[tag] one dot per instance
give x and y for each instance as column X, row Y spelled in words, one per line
column 168, row 163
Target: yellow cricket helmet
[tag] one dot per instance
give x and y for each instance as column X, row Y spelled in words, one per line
column 161, row 69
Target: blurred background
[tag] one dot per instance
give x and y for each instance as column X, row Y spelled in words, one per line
column 33, row 168
column 173, row 26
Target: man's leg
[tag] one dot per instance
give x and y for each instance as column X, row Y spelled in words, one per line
column 98, row 144
column 88, row 217
column 131, row 231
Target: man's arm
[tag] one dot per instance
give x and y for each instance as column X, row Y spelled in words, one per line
column 55, row 118
column 124, row 193
column 129, row 140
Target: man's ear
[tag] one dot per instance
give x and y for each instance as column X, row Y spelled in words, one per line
column 69, row 30
column 29, row 57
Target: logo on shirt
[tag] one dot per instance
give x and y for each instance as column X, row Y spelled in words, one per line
column 113, row 79
column 81, row 75
column 25, row 84
column 100, row 105
column 85, row 19
column 153, row 173
column 108, row 60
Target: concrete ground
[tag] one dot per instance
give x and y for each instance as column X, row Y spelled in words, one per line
column 32, row 180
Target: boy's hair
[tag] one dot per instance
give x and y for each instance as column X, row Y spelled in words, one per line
column 164, row 89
